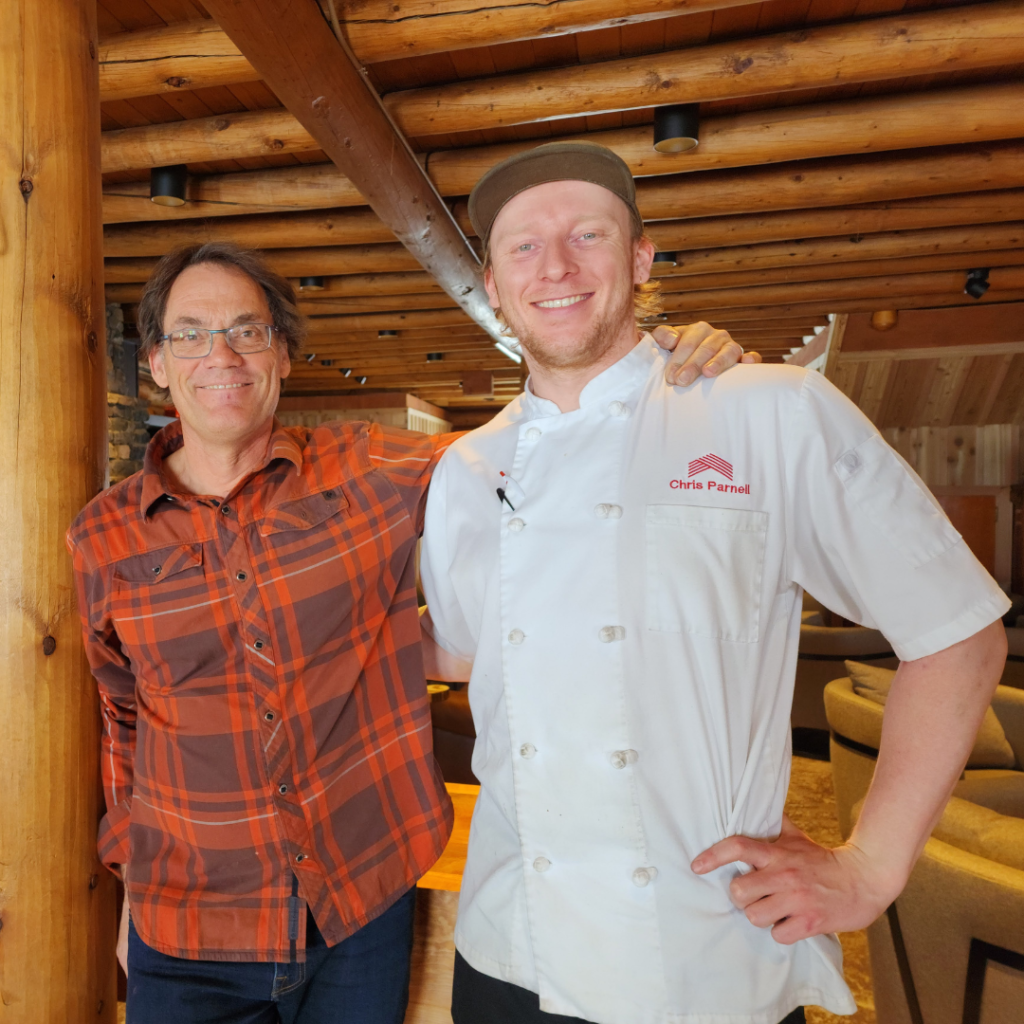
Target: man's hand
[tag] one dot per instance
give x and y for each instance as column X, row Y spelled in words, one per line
column 699, row 348
column 798, row 888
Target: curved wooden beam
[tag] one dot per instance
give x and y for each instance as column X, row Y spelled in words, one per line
column 980, row 35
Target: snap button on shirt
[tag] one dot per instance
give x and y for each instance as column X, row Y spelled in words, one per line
column 515, row 525
column 541, row 864
column 618, row 409
column 527, row 750
column 609, row 634
column 533, row 434
column 517, row 636
column 621, row 758
column 644, row 876
column 604, row 511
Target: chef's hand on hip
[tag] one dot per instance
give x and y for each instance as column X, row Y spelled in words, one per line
column 798, row 888
column 699, row 349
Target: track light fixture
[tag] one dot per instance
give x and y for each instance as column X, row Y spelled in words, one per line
column 311, row 284
column 346, row 371
column 435, row 357
column 676, row 127
column 977, row 282
column 310, row 356
column 387, row 334
column 361, row 380
column 167, row 185
column 663, row 261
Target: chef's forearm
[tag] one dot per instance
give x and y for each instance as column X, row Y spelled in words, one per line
column 931, row 719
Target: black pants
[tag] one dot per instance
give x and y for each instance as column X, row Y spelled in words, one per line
column 480, row 999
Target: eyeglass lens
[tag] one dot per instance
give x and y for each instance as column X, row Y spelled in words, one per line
column 196, row 342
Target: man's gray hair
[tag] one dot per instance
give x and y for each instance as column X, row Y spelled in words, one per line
column 284, row 312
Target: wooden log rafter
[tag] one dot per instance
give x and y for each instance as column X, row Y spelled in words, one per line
column 802, row 184
column 979, row 35
column 362, row 226
column 200, row 54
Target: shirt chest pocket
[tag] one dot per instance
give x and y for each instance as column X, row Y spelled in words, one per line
column 161, row 594
column 704, row 570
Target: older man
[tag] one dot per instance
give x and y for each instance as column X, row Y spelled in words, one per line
column 249, row 608
column 622, row 565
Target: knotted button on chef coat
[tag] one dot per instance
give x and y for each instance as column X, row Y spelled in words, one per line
column 632, row 611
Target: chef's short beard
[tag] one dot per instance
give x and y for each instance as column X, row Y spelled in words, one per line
column 579, row 352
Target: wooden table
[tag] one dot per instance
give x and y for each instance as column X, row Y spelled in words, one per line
column 437, row 903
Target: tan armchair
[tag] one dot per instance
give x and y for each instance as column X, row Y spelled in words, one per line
column 950, row 950
column 823, row 649
column 994, row 777
column 1013, row 673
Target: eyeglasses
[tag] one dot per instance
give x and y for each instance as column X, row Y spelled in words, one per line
column 197, row 342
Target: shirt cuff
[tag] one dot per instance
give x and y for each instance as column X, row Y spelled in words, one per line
column 971, row 621
column 112, row 843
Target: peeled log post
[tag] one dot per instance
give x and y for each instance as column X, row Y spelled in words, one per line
column 980, row 35
column 56, row 900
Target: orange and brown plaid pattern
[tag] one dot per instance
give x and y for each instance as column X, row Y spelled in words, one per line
column 263, row 695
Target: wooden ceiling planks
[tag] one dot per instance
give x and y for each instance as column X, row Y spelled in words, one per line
column 794, row 279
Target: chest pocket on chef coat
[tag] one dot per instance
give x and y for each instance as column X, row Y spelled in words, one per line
column 704, row 568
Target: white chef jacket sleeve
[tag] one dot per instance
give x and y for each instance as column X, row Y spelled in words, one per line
column 868, row 539
column 450, row 629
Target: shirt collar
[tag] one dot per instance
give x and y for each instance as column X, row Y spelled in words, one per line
column 620, row 380
column 168, row 440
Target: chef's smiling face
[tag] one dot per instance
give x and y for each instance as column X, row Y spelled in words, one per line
column 563, row 265
column 224, row 398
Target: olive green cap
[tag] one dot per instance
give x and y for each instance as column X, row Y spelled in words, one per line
column 554, row 161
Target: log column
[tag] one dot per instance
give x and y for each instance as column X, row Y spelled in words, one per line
column 56, row 901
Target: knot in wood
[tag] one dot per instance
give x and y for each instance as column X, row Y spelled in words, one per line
column 92, row 340
column 26, row 186
column 739, row 66
column 49, row 645
column 94, row 880
column 220, row 124
column 177, row 82
column 276, row 144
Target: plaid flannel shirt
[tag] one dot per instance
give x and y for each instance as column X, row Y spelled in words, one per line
column 264, row 702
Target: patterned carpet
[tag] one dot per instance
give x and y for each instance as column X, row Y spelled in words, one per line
column 811, row 806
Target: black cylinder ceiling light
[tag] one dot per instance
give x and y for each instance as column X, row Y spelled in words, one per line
column 676, row 127
column 311, row 284
column 977, row 282
column 167, row 185
column 663, row 261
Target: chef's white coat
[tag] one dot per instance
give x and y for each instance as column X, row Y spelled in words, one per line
column 633, row 626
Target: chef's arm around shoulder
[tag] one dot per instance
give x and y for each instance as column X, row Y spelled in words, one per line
column 932, row 716
column 439, row 663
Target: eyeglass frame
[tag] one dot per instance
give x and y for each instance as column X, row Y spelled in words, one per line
column 225, row 331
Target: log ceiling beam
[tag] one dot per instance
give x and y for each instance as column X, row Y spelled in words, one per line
column 362, row 226
column 200, row 54
column 802, row 184
column 974, row 36
column 876, row 289
column 969, row 114
column 380, row 259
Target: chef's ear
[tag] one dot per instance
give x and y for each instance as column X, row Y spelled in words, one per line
column 643, row 257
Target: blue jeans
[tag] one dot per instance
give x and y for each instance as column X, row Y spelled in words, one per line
column 362, row 980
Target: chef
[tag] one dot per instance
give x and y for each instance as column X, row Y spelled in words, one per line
column 621, row 564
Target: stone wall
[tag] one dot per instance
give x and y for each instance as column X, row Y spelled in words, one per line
column 126, row 415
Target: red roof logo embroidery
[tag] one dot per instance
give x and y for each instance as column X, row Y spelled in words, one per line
column 712, row 462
